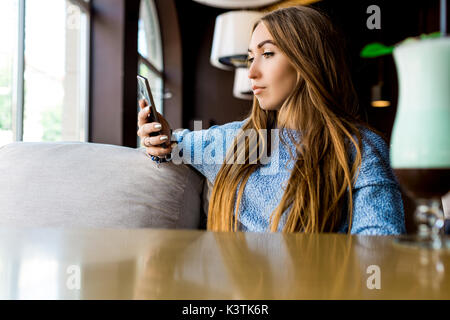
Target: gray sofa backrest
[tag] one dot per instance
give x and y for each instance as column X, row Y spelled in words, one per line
column 74, row 184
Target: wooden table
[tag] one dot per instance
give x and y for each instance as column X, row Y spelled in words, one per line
column 176, row 264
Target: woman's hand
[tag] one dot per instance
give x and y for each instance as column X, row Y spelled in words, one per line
column 155, row 145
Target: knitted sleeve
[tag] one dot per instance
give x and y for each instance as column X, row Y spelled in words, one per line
column 377, row 202
column 378, row 210
column 205, row 150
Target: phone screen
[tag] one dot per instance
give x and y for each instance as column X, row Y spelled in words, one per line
column 144, row 92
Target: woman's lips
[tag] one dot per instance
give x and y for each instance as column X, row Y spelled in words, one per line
column 257, row 90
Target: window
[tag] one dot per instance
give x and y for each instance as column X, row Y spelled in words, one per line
column 8, row 67
column 44, row 70
column 150, row 51
column 150, row 64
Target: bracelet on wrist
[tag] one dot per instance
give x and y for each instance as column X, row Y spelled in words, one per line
column 161, row 160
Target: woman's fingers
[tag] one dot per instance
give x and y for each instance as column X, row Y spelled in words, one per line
column 147, row 128
column 143, row 103
column 143, row 115
column 158, row 145
column 155, row 141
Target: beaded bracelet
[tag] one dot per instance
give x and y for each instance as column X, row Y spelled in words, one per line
column 161, row 160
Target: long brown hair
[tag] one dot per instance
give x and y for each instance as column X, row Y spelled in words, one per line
column 323, row 107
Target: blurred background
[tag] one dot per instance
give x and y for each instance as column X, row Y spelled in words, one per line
column 68, row 67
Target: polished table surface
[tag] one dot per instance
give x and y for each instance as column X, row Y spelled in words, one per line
column 179, row 264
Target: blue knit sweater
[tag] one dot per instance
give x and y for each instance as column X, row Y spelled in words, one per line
column 377, row 202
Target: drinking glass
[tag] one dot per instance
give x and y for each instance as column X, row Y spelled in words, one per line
column 420, row 142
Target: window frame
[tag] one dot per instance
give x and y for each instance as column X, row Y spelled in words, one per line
column 20, row 106
column 85, row 7
column 114, row 64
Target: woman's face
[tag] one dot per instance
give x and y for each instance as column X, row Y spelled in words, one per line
column 272, row 75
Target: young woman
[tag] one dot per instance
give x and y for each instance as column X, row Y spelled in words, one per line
column 332, row 172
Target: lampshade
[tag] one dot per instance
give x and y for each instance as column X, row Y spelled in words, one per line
column 232, row 34
column 242, row 87
column 380, row 92
column 380, row 97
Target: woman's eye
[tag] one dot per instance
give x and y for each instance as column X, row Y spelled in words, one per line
column 265, row 54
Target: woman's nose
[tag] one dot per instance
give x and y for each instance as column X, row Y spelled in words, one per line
column 253, row 71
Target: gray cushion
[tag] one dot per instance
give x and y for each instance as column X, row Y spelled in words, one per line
column 74, row 184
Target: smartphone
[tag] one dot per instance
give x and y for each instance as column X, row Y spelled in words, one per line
column 144, row 92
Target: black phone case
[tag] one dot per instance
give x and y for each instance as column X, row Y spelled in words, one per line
column 144, row 92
